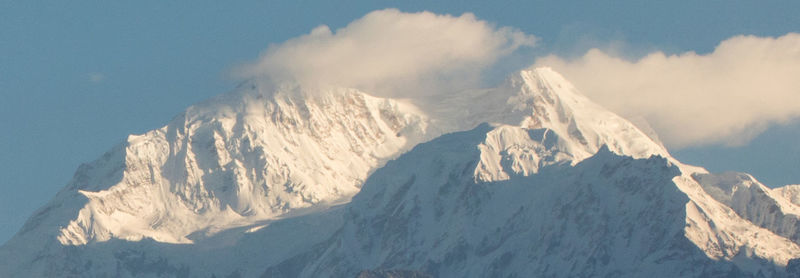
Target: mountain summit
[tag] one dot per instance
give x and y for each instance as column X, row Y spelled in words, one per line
column 527, row 179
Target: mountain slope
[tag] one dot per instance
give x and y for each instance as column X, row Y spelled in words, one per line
column 542, row 98
column 257, row 182
column 253, row 155
column 608, row 215
column 504, row 200
column 252, row 158
column 765, row 207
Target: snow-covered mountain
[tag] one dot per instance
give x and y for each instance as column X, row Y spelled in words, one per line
column 259, row 181
column 540, row 200
column 608, row 215
column 258, row 154
column 237, row 160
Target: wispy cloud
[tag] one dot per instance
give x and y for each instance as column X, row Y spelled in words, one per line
column 389, row 52
column 727, row 96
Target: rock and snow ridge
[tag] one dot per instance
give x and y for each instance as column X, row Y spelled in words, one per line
column 235, row 161
column 232, row 174
column 607, row 215
column 540, row 199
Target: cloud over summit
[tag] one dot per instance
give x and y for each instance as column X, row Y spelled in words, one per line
column 389, row 52
column 727, row 96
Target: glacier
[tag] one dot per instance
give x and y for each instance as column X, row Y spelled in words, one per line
column 530, row 178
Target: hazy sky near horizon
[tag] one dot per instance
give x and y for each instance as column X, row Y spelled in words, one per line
column 77, row 77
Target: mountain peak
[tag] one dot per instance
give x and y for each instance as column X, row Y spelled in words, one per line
column 238, row 159
column 524, row 211
column 548, row 100
column 264, row 151
column 532, row 162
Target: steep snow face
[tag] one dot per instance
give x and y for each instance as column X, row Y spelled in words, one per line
column 724, row 234
column 608, row 215
column 550, row 191
column 564, row 125
column 750, row 199
column 241, row 158
column 549, row 101
column 542, row 99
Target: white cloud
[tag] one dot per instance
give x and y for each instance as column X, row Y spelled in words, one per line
column 389, row 52
column 728, row 96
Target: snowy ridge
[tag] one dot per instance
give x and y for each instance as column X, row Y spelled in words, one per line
column 434, row 209
column 425, row 212
column 541, row 98
column 723, row 234
column 754, row 201
column 549, row 101
column 259, row 182
column 233, row 163
column 606, row 215
column 558, row 125
column 237, row 161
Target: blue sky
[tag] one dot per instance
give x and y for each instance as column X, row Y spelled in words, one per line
column 77, row 77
